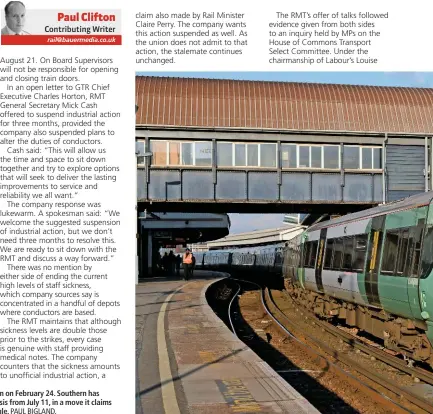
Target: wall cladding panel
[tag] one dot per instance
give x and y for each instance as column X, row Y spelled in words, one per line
column 197, row 185
column 326, row 187
column 231, row 185
column 296, row 187
column 358, row 187
column 158, row 178
column 262, row 186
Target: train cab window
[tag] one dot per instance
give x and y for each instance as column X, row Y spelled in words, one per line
column 402, row 251
column 348, row 252
column 338, row 254
column 359, row 252
column 328, row 254
column 313, row 253
column 390, row 252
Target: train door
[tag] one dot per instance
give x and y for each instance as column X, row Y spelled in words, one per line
column 413, row 269
column 373, row 261
column 319, row 263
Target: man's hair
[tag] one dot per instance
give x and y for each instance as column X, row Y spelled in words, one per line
column 7, row 7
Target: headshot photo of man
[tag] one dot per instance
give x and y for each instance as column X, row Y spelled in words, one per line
column 15, row 14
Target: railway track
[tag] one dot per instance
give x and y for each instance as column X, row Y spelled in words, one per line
column 332, row 356
column 379, row 354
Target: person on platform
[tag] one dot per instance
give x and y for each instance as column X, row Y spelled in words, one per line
column 164, row 262
column 171, row 263
column 15, row 15
column 187, row 264
column 178, row 262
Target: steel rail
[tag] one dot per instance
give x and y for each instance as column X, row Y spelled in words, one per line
column 390, row 360
column 414, row 399
column 229, row 309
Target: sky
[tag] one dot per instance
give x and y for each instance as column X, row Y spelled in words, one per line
column 249, row 222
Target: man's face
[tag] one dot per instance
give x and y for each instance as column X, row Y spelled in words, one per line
column 16, row 17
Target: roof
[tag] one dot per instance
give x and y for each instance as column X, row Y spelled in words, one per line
column 218, row 103
column 417, row 200
column 258, row 237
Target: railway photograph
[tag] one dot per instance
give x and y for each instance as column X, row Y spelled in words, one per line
column 284, row 242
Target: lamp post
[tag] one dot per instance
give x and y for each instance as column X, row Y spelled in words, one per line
column 167, row 183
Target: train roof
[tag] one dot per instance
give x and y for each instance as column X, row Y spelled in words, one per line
column 417, row 200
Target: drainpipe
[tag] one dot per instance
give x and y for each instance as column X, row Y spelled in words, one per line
column 431, row 163
column 425, row 164
column 384, row 168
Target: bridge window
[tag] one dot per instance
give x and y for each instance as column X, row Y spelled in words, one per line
column 377, row 158
column 181, row 153
column 371, row 158
column 351, row 157
column 331, row 156
column 367, row 158
column 174, row 153
column 203, row 154
column 139, row 150
column 224, row 154
column 253, row 155
column 316, row 157
column 288, row 156
column 268, row 155
column 240, row 155
column 159, row 152
column 304, row 156
column 187, row 153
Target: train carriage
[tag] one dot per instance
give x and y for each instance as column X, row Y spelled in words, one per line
column 372, row 269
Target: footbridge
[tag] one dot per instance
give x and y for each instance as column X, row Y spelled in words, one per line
column 247, row 146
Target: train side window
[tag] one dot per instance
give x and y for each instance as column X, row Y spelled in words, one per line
column 359, row 252
column 403, row 250
column 390, row 252
column 348, row 253
column 313, row 253
column 328, row 254
column 338, row 254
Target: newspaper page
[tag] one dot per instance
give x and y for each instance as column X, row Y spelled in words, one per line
column 68, row 159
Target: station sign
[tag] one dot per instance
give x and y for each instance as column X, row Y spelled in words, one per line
column 162, row 235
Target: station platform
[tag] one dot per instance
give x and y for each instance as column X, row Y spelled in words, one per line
column 188, row 361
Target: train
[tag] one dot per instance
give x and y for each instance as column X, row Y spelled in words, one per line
column 371, row 270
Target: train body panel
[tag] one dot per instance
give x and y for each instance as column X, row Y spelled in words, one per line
column 375, row 270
